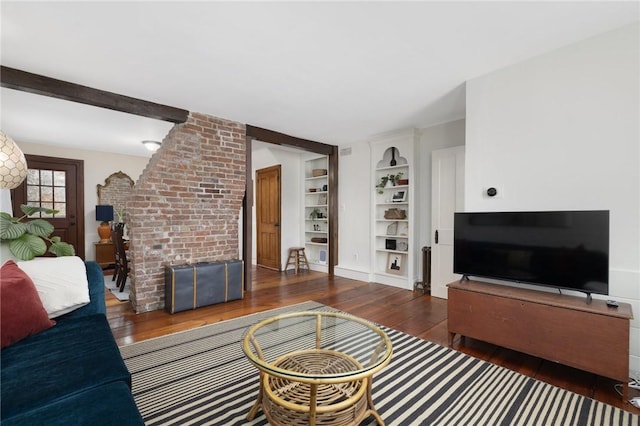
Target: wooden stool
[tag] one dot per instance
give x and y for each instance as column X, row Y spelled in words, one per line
column 297, row 258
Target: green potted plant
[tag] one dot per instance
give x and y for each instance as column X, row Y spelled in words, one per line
column 315, row 213
column 382, row 184
column 384, row 180
column 29, row 239
column 120, row 213
column 395, row 178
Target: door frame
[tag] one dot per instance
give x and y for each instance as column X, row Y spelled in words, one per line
column 276, row 138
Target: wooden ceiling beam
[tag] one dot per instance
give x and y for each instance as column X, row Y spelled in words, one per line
column 12, row 78
column 277, row 138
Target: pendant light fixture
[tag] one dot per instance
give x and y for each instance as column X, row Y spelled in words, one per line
column 151, row 145
column 13, row 165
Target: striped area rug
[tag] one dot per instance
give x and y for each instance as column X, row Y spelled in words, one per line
column 201, row 377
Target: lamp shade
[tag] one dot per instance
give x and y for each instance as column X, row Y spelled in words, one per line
column 104, row 213
column 13, row 166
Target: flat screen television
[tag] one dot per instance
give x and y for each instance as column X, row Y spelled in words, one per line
column 562, row 249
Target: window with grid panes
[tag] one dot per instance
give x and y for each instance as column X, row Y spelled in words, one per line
column 47, row 188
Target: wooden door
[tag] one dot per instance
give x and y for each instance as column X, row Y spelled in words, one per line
column 268, row 217
column 447, row 197
column 55, row 183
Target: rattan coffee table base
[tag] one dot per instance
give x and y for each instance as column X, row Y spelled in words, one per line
column 290, row 403
column 326, row 383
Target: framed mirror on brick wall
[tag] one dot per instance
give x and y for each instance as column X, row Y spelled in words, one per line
column 115, row 191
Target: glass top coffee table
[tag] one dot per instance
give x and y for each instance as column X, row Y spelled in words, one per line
column 316, row 367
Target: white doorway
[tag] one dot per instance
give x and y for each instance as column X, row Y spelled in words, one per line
column 447, row 197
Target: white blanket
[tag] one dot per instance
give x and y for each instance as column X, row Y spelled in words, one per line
column 61, row 282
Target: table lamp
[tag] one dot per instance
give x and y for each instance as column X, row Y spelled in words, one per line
column 104, row 213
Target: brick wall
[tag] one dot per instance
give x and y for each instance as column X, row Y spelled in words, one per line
column 186, row 205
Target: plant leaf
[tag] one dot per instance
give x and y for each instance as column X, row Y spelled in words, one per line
column 39, row 227
column 10, row 230
column 27, row 247
column 29, row 210
column 62, row 249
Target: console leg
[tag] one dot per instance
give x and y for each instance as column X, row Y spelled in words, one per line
column 451, row 337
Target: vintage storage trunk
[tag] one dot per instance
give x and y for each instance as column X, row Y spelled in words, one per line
column 192, row 286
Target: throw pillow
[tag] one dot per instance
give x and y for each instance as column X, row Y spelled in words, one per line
column 61, row 282
column 21, row 310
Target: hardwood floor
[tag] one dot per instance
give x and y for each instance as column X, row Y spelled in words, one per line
column 411, row 312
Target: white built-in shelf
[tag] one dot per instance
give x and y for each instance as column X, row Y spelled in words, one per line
column 317, row 199
column 402, row 147
column 396, row 187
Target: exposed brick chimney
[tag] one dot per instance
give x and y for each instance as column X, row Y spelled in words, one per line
column 186, row 205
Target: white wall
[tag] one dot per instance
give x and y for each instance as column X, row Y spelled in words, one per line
column 446, row 135
column 561, row 131
column 354, row 212
column 97, row 167
column 266, row 155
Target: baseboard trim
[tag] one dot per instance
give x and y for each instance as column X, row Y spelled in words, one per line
column 351, row 274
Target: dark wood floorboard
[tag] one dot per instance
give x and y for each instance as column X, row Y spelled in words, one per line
column 410, row 312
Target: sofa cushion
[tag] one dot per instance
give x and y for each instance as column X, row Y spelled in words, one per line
column 61, row 282
column 107, row 405
column 76, row 355
column 95, row 278
column 21, row 311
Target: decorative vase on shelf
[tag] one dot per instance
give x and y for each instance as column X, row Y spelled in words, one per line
column 389, row 184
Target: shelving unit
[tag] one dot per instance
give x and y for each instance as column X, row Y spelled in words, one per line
column 393, row 251
column 316, row 198
column 392, row 233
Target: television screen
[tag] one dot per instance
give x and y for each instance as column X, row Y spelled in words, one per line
column 564, row 249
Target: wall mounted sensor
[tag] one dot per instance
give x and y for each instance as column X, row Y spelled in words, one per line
column 492, row 192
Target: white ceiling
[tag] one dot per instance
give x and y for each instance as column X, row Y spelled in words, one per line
column 334, row 72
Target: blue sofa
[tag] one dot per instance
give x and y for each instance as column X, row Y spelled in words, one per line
column 70, row 374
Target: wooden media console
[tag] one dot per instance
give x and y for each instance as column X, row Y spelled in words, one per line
column 559, row 328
